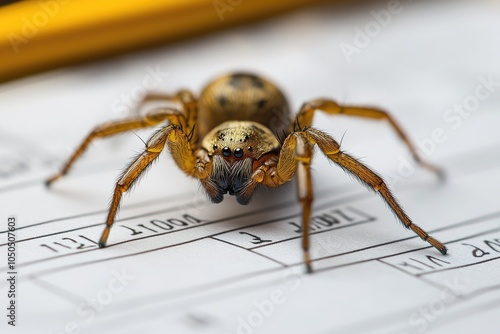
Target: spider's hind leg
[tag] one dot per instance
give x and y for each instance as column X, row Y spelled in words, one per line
column 184, row 118
column 305, row 116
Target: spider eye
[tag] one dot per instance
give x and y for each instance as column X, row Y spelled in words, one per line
column 226, row 151
column 238, row 153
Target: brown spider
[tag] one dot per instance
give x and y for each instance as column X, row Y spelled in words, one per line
column 232, row 145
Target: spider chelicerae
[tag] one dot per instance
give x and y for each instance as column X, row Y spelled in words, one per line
column 239, row 134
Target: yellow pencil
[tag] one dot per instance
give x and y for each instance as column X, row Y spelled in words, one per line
column 40, row 35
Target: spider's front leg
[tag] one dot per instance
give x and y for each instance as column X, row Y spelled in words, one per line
column 294, row 158
column 180, row 148
column 368, row 177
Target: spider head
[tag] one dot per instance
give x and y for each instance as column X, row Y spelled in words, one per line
column 236, row 149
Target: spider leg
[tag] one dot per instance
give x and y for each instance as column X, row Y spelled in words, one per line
column 180, row 148
column 189, row 105
column 153, row 96
column 303, row 155
column 185, row 118
column 305, row 116
column 332, row 150
column 294, row 158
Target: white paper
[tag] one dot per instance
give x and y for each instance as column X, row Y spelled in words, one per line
column 179, row 264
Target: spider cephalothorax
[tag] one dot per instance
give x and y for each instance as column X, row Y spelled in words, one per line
column 236, row 149
column 228, row 139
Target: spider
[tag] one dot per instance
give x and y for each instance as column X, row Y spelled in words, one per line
column 228, row 138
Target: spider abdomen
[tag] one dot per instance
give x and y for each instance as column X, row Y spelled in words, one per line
column 242, row 97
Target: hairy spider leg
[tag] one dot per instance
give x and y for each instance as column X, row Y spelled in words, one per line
column 331, row 149
column 305, row 117
column 185, row 118
column 295, row 157
column 179, row 146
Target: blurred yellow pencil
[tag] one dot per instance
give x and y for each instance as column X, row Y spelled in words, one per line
column 40, row 35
